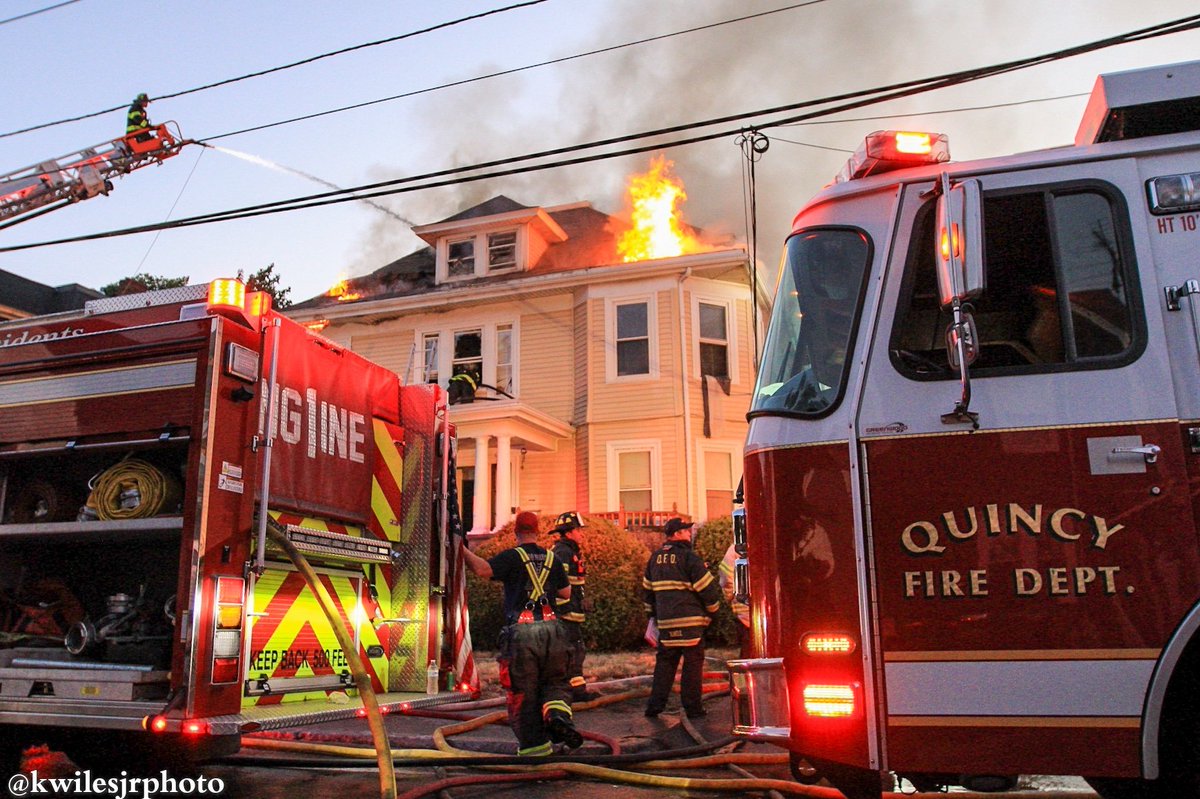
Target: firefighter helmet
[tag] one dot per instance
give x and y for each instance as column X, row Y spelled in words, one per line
column 142, row 98
column 566, row 522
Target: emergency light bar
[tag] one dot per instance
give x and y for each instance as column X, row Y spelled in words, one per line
column 886, row 150
column 1171, row 194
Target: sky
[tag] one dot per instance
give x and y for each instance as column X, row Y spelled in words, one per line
column 89, row 55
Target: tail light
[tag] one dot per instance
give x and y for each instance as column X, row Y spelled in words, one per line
column 831, row 700
column 827, row 644
column 229, row 606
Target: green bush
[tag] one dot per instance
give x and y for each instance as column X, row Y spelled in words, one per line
column 712, row 539
column 614, row 560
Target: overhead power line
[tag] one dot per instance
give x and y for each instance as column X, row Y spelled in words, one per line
column 508, row 166
column 513, row 70
column 311, row 59
column 37, row 11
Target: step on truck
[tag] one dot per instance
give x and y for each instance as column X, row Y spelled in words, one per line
column 147, row 443
column 971, row 526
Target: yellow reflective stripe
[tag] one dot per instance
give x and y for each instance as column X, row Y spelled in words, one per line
column 725, row 568
column 578, row 682
column 579, row 617
column 539, row 581
column 713, row 608
column 576, row 580
column 668, row 585
column 703, row 582
column 686, row 621
column 541, row 750
column 556, row 704
column 674, row 642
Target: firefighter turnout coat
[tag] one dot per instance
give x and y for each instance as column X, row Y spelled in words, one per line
column 680, row 593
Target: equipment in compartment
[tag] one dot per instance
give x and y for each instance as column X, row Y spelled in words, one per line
column 132, row 629
column 131, row 489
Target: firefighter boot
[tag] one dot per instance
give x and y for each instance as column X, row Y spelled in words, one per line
column 562, row 730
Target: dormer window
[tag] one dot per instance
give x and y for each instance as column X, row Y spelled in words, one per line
column 460, row 258
column 502, row 250
column 472, row 247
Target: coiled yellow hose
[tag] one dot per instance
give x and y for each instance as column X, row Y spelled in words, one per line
column 150, row 491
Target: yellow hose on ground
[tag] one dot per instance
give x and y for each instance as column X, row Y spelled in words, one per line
column 362, row 680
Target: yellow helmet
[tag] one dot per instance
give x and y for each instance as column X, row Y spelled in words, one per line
column 566, row 522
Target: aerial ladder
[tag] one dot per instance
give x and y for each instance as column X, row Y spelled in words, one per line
column 52, row 184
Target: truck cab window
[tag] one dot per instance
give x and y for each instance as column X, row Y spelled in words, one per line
column 1059, row 291
column 812, row 329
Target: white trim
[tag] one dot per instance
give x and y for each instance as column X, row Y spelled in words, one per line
column 613, row 449
column 703, row 446
column 610, row 337
column 481, row 267
column 487, row 346
column 731, row 330
column 1018, row 688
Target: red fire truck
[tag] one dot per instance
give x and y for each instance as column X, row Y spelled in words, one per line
column 146, row 443
column 970, row 531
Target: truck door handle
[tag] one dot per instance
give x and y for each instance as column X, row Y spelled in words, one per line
column 1147, row 451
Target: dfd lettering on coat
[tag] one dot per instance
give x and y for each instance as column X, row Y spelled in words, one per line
column 1068, row 525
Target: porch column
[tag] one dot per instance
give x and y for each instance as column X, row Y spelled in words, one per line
column 480, row 505
column 503, row 480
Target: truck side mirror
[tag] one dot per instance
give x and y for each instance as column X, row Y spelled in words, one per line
column 959, row 242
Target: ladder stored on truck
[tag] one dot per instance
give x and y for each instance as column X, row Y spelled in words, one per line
column 49, row 185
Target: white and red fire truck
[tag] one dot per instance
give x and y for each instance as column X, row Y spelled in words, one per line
column 972, row 476
column 145, row 444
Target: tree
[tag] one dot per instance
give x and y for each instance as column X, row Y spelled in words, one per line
column 267, row 280
column 142, row 281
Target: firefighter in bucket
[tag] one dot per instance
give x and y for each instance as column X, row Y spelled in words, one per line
column 534, row 653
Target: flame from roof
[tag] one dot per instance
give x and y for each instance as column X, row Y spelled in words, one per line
column 655, row 197
column 341, row 290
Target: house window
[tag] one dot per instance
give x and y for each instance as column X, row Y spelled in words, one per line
column 718, row 483
column 714, row 341
column 460, row 258
column 468, row 354
column 504, row 361
column 633, row 339
column 430, row 341
column 635, row 488
column 502, row 250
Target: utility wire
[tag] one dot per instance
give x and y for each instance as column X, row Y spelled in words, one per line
column 455, row 176
column 958, row 110
column 301, row 62
column 512, row 71
column 36, row 12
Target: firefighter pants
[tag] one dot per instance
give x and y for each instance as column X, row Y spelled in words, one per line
column 666, row 661
column 573, row 631
column 533, row 661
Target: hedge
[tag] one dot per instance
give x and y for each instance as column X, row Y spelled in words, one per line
column 615, row 560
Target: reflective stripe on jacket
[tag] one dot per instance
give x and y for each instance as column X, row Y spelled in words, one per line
column 680, row 593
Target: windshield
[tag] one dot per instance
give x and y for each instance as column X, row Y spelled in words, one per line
column 812, row 326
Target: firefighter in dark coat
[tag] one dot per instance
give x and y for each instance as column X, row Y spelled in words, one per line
column 533, row 653
column 682, row 596
column 136, row 119
column 572, row 612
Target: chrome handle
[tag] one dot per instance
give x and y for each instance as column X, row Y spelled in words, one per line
column 1147, row 451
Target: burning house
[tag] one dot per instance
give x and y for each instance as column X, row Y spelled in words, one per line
column 610, row 359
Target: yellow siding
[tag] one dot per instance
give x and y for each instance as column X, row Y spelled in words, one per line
column 633, row 399
column 667, row 431
column 545, row 481
column 391, row 349
column 546, row 356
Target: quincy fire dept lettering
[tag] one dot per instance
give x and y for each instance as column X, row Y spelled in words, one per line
column 925, row 539
column 320, row 426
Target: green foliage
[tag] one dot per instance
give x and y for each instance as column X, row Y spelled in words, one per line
column 142, row 281
column 712, row 539
column 267, row 280
column 614, row 561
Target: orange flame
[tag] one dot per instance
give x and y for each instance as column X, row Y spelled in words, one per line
column 655, row 197
column 342, row 291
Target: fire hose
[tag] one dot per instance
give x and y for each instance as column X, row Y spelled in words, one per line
column 362, row 680
column 131, row 489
